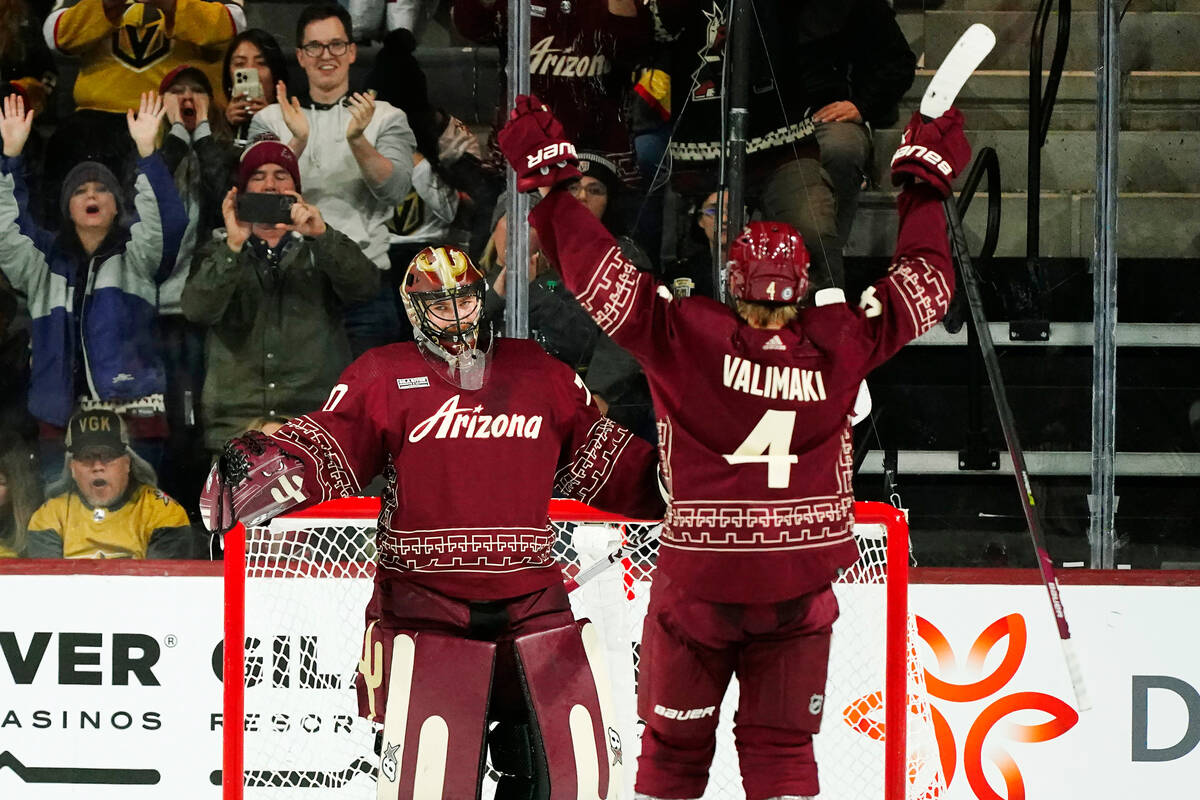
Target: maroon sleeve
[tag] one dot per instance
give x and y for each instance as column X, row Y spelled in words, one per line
column 628, row 304
column 606, row 466
column 341, row 444
column 916, row 291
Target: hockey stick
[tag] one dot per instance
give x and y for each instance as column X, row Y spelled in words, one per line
column 592, row 570
column 958, row 242
column 962, row 60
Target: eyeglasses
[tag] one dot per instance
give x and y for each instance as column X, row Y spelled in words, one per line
column 594, row 189
column 337, row 47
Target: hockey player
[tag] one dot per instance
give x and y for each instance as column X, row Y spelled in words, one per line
column 753, row 410
column 469, row 621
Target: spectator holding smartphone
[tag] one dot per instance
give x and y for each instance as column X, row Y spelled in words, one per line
column 254, row 63
column 273, row 295
column 354, row 152
column 91, row 288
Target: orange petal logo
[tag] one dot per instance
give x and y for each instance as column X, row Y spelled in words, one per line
column 989, row 730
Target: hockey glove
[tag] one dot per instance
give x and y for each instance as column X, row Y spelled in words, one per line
column 255, row 479
column 535, row 145
column 934, row 151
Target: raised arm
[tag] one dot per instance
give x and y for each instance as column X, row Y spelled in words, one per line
column 917, row 289
column 155, row 238
column 72, row 28
column 628, row 304
column 202, row 22
column 387, row 164
column 22, row 241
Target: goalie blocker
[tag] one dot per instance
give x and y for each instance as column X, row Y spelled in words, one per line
column 522, row 668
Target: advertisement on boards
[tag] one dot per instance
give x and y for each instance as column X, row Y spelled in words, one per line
column 109, row 686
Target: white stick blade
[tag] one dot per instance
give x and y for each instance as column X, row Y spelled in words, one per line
column 963, row 59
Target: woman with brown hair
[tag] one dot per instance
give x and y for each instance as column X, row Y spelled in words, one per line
column 20, row 495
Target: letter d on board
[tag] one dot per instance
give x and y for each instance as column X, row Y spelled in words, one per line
column 1142, row 684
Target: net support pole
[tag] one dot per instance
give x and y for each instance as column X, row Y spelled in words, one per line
column 736, row 96
column 516, row 313
column 233, row 710
column 1102, row 502
column 895, row 680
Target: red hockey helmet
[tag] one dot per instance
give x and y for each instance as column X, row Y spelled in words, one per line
column 768, row 263
column 437, row 275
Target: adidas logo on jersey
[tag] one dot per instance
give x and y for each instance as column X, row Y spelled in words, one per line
column 453, row 422
column 775, row 343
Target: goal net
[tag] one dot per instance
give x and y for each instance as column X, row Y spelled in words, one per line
column 296, row 591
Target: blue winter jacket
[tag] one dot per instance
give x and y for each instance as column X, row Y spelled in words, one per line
column 116, row 323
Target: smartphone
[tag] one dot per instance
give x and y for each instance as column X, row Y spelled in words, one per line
column 246, row 82
column 265, row 207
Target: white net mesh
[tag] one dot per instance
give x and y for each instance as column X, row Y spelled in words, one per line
column 308, row 581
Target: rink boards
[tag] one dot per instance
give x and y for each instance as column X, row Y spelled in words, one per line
column 110, row 686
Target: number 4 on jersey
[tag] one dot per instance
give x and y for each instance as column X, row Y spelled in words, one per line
column 768, row 444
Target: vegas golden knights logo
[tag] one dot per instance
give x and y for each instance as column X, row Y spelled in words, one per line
column 141, row 41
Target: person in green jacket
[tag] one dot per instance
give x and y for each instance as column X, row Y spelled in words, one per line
column 274, row 297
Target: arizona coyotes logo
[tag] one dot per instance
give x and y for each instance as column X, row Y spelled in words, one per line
column 991, row 726
column 141, row 41
column 706, row 80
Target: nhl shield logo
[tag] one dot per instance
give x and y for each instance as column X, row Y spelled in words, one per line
column 815, row 704
column 389, row 765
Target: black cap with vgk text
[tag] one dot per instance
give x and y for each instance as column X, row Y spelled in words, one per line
column 99, row 430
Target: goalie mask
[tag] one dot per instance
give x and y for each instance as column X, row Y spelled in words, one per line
column 443, row 294
column 768, row 263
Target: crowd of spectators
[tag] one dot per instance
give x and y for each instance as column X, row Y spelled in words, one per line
column 152, row 304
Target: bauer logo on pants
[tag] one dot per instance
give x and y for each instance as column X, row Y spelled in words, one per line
column 685, row 713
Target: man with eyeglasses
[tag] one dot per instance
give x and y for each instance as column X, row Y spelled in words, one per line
column 106, row 504
column 355, row 155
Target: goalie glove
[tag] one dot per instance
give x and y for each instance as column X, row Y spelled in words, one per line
column 535, row 145
column 934, row 151
column 255, row 479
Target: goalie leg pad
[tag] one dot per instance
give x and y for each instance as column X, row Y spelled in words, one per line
column 435, row 721
column 566, row 683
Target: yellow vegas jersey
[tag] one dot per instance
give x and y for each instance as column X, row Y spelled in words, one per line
column 121, row 57
column 149, row 524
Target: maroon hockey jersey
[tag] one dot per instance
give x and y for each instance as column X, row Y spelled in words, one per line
column 470, row 473
column 754, row 425
column 581, row 61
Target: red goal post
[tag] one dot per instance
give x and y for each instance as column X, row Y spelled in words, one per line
column 300, row 584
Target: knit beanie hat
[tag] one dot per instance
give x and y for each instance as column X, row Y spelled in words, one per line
column 267, row 151
column 186, row 71
column 83, row 172
column 602, row 169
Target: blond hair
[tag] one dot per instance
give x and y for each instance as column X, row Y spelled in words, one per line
column 762, row 315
